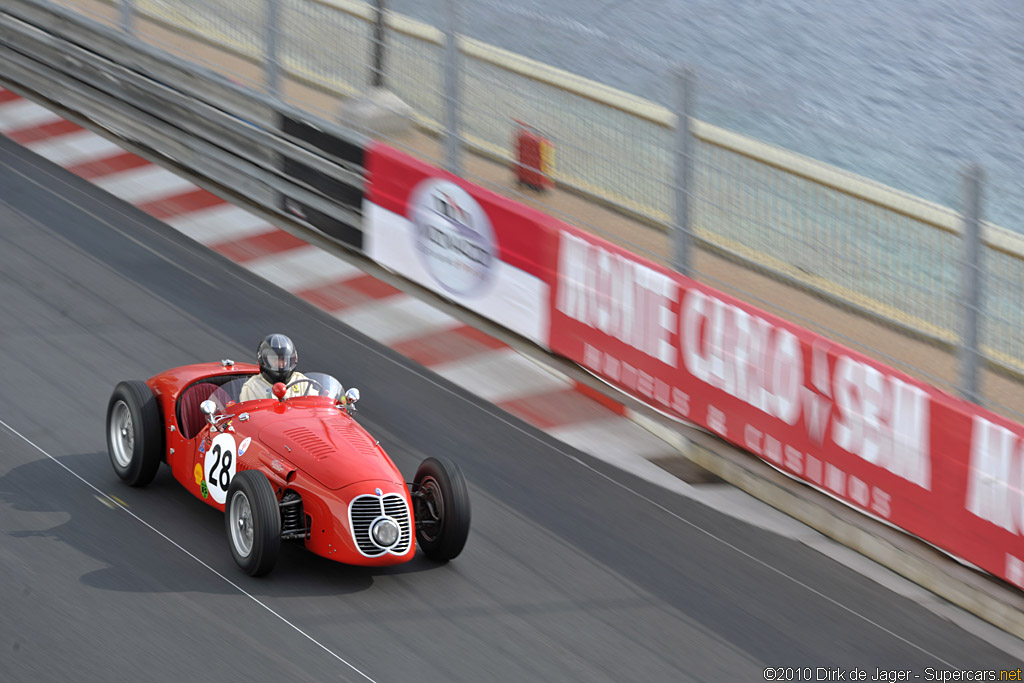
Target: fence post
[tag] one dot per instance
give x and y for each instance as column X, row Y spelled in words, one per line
column 451, row 88
column 270, row 39
column 685, row 147
column 972, row 285
column 377, row 79
column 128, row 16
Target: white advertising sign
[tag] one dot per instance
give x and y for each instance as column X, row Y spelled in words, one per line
column 448, row 244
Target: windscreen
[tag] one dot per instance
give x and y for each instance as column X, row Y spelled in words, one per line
column 312, row 384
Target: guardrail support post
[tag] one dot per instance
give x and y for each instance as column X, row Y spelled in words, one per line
column 685, row 147
column 128, row 16
column 270, row 43
column 972, row 286
column 377, row 78
column 451, row 88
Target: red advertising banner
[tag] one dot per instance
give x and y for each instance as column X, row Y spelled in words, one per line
column 896, row 448
column 942, row 469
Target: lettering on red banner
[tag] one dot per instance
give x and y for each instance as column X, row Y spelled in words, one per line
column 741, row 354
column 817, row 398
column 878, row 417
column 822, row 405
column 883, row 420
column 716, row 421
column 618, row 296
column 1014, row 570
column 995, row 478
column 636, row 381
column 827, row 476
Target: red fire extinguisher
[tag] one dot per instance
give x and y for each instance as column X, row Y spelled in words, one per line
column 534, row 158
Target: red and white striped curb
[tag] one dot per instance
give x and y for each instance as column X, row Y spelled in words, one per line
column 483, row 365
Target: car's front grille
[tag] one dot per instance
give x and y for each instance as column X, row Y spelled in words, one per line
column 364, row 510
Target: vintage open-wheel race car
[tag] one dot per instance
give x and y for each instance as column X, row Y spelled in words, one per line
column 294, row 467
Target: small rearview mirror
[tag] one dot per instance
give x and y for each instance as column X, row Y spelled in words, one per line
column 208, row 407
column 352, row 395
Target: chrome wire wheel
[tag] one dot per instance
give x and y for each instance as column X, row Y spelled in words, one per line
column 241, row 523
column 122, row 434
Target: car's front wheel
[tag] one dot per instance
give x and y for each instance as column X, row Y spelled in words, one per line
column 134, row 436
column 441, row 502
column 253, row 522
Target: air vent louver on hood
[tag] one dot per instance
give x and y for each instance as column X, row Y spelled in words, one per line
column 316, row 446
column 332, row 449
column 355, row 437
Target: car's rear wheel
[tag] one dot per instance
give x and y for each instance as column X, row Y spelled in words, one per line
column 134, row 435
column 441, row 502
column 253, row 522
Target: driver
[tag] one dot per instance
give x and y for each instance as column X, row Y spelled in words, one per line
column 277, row 359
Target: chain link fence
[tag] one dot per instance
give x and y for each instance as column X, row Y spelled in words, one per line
column 880, row 251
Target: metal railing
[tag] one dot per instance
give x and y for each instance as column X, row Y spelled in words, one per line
column 884, row 253
column 245, row 144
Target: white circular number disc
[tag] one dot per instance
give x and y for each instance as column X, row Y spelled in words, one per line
column 220, row 466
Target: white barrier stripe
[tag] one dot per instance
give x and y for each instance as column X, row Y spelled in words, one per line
column 75, row 148
column 22, row 114
column 302, row 268
column 397, row 318
column 614, row 440
column 218, row 224
column 145, row 184
column 502, row 375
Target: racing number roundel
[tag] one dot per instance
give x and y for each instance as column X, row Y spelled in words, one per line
column 220, row 466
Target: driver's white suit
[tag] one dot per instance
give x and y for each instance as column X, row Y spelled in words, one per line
column 257, row 387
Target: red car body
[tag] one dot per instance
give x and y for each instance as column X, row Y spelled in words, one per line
column 309, row 445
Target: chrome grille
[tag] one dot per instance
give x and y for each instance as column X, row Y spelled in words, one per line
column 362, row 512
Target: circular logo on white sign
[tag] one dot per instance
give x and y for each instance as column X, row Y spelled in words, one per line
column 220, row 465
column 454, row 237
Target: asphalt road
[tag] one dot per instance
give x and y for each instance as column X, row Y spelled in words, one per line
column 573, row 570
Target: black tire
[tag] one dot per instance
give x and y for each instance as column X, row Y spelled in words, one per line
column 441, row 502
column 135, row 437
column 252, row 507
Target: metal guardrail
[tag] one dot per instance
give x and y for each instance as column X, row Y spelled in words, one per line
column 888, row 254
column 230, row 136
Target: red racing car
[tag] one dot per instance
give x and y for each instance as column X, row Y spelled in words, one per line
column 294, row 467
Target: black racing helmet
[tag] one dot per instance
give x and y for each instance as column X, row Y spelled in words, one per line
column 277, row 358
